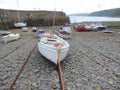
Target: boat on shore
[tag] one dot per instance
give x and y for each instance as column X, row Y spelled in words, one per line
column 64, row 32
column 49, row 46
column 79, row 27
column 11, row 37
column 107, row 31
column 41, row 33
column 20, row 24
column 34, row 29
column 2, row 32
column 64, row 35
column 24, row 29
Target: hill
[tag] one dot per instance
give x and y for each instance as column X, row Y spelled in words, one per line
column 109, row 13
column 79, row 14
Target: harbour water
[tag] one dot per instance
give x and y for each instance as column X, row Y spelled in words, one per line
column 91, row 18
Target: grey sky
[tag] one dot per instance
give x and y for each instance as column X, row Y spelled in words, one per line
column 68, row 6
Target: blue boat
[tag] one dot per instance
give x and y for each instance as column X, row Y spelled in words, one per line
column 40, row 33
column 107, row 31
column 34, row 29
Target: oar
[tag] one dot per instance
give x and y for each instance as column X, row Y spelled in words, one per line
column 59, row 68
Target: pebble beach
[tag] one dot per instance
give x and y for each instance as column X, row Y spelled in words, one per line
column 93, row 63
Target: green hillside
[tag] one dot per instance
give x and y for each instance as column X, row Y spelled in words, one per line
column 109, row 13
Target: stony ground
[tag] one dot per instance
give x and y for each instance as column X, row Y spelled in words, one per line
column 93, row 63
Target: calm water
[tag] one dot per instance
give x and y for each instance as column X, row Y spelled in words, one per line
column 91, row 18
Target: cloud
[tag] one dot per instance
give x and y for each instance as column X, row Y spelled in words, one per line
column 68, row 6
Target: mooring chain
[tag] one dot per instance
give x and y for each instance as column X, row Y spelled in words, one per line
column 110, row 59
column 13, row 50
column 22, row 68
column 106, row 69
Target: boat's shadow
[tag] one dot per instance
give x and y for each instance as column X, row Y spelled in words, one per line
column 48, row 63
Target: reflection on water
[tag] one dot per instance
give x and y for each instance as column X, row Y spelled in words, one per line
column 91, row 18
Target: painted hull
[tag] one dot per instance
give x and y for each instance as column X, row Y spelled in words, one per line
column 107, row 31
column 64, row 32
column 11, row 37
column 49, row 51
column 24, row 29
column 18, row 25
column 40, row 34
column 80, row 29
column 2, row 32
column 65, row 36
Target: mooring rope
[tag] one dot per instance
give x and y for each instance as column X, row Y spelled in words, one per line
column 59, row 69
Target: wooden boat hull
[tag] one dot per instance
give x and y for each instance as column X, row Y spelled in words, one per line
column 18, row 25
column 2, row 32
column 24, row 29
column 107, row 31
column 41, row 33
column 50, row 51
column 11, row 37
column 80, row 29
column 64, row 32
column 65, row 36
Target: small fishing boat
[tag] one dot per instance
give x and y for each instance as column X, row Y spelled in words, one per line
column 34, row 29
column 20, row 24
column 107, row 31
column 4, row 32
column 64, row 35
column 79, row 27
column 101, row 27
column 41, row 33
column 11, row 37
column 64, row 32
column 49, row 46
column 24, row 29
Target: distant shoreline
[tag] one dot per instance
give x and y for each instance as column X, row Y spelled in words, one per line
column 92, row 19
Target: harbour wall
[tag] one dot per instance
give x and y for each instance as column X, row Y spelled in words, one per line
column 32, row 18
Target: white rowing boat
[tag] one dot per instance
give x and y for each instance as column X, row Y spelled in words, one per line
column 11, row 37
column 65, row 36
column 41, row 33
column 24, row 29
column 48, row 47
column 107, row 31
column 20, row 24
column 2, row 32
column 64, row 32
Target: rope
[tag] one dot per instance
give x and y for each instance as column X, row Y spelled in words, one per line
column 59, row 69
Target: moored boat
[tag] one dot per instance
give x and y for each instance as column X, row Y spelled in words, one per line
column 107, row 31
column 2, row 32
column 40, row 33
column 20, row 24
column 24, row 29
column 34, row 29
column 65, row 36
column 79, row 27
column 48, row 47
column 64, row 32
column 11, row 37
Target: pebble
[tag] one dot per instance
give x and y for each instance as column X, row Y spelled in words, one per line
column 79, row 71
